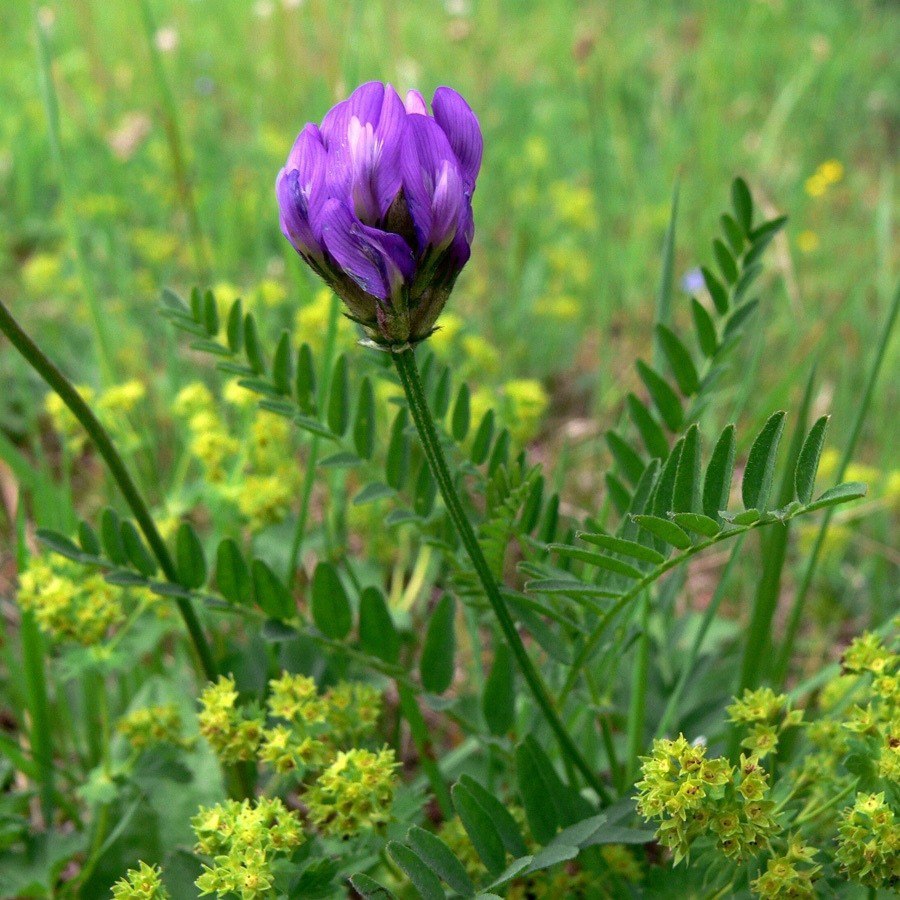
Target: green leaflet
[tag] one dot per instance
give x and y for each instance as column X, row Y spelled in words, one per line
column 330, row 604
column 232, row 574
column 439, row 649
column 377, row 632
column 498, row 701
column 808, row 461
column 480, row 828
column 189, row 558
column 758, row 474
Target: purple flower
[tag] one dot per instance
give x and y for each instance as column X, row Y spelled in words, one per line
column 378, row 201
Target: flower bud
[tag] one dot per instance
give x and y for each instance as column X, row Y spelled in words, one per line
column 378, row 202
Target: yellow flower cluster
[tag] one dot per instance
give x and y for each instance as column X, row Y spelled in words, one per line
column 69, row 602
column 526, row 402
column 41, row 273
column 64, row 423
column 827, row 174
column 269, row 478
column 234, row 732
column 766, row 714
column 153, row 246
column 121, row 399
column 354, row 793
column 808, row 241
column 111, row 406
column 884, row 489
column 563, row 307
column 693, row 796
column 149, row 725
column 142, row 883
column 210, row 442
column 311, row 323
column 877, row 724
column 869, row 842
column 244, row 840
column 307, row 734
column 790, row 875
column 573, row 205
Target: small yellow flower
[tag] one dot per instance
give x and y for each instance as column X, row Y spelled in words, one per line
column 862, row 472
column 226, row 293
column 828, row 173
column 143, row 883
column 808, row 241
column 482, row 355
column 443, row 339
column 828, row 464
column 192, row 399
column 570, row 263
column 563, row 307
column 527, row 401
column 537, row 153
column 270, row 292
column 573, row 205
column 237, row 395
column 66, row 425
column 153, row 246
column 312, row 322
column 121, row 398
column 831, row 171
column 892, row 486
column 41, row 272
column 815, row 185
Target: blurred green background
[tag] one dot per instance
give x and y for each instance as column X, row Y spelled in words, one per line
column 592, row 111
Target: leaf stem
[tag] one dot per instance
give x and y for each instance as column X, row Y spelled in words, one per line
column 637, row 708
column 708, row 616
column 408, row 371
column 36, row 358
column 309, row 478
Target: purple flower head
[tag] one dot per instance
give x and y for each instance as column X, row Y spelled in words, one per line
column 378, row 201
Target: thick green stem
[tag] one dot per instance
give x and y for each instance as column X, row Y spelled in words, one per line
column 105, row 447
column 405, row 362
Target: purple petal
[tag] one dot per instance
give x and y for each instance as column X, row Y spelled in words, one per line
column 424, row 154
column 390, row 136
column 459, row 123
column 364, row 103
column 364, row 158
column 294, row 214
column 415, row 104
column 446, row 205
column 379, row 262
column 308, row 151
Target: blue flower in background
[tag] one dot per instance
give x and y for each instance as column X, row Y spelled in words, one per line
column 378, row 201
column 692, row 281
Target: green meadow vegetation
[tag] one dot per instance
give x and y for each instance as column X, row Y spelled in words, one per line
column 594, row 594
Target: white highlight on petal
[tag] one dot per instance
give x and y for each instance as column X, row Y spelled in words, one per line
column 365, row 152
column 415, row 104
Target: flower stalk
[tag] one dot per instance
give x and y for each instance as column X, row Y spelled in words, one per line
column 36, row 358
column 407, row 369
